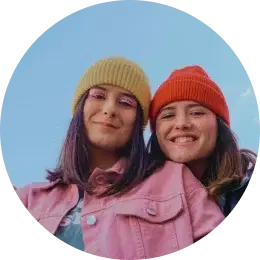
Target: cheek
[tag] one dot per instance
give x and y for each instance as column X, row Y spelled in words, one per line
column 86, row 115
column 128, row 119
column 90, row 109
column 164, row 145
column 163, row 129
column 209, row 130
column 161, row 132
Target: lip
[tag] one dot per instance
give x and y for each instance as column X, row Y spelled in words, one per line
column 183, row 135
column 184, row 143
column 107, row 125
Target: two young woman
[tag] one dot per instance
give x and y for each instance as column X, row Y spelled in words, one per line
column 108, row 196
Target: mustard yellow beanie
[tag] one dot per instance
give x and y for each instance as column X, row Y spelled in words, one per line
column 119, row 72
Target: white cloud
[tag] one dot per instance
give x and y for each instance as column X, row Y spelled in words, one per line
column 246, row 93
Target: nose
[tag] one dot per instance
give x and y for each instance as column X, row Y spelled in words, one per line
column 109, row 108
column 182, row 122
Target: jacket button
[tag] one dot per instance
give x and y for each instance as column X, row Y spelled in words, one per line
column 100, row 180
column 151, row 211
column 91, row 220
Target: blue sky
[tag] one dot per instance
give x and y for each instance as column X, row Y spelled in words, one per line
column 36, row 109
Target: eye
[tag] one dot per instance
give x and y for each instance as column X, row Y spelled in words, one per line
column 197, row 113
column 96, row 95
column 167, row 116
column 127, row 102
column 99, row 96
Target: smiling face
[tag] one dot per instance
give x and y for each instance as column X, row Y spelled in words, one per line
column 109, row 117
column 186, row 131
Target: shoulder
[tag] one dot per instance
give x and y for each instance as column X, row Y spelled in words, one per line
column 182, row 171
column 30, row 191
column 239, row 189
column 230, row 198
column 175, row 177
column 35, row 186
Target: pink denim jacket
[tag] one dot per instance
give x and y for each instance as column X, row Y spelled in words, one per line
column 169, row 211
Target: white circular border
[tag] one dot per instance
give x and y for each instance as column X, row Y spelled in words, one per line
column 43, row 27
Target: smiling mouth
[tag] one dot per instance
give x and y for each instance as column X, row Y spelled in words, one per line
column 108, row 125
column 184, row 139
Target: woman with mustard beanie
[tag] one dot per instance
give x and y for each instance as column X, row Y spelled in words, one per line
column 109, row 113
column 105, row 196
column 190, row 124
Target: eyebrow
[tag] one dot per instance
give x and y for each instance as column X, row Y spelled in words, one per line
column 121, row 93
column 172, row 107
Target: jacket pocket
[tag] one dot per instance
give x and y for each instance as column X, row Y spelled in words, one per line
column 151, row 223
column 151, row 210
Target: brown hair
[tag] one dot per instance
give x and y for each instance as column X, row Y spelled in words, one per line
column 227, row 165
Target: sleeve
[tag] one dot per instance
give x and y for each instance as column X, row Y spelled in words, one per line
column 204, row 212
column 23, row 194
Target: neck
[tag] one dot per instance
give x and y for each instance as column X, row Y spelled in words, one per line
column 198, row 168
column 102, row 159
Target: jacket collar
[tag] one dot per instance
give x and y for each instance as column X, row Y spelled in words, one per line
column 118, row 168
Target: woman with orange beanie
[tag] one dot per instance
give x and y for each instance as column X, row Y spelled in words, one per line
column 190, row 124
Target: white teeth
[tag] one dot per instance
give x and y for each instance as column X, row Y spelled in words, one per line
column 184, row 139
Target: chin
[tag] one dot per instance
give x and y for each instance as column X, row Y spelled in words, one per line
column 106, row 146
column 109, row 146
column 181, row 158
column 183, row 161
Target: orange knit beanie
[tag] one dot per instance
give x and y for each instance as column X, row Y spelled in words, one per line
column 190, row 83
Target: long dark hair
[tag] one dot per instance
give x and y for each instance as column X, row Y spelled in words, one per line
column 74, row 162
column 227, row 165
